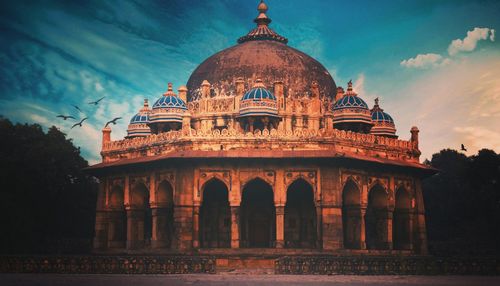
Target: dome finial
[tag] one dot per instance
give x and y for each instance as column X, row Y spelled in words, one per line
column 376, row 101
column 262, row 31
column 349, row 85
column 262, row 19
column 170, row 90
column 262, row 8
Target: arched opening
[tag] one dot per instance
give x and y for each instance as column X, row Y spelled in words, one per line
column 251, row 124
column 215, row 216
column 376, row 219
column 351, row 215
column 117, row 230
column 139, row 221
column 258, row 215
column 300, row 216
column 163, row 218
column 402, row 220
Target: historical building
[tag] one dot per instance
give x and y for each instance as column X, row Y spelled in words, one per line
column 261, row 149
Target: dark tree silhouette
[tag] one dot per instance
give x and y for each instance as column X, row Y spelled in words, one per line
column 463, row 203
column 47, row 203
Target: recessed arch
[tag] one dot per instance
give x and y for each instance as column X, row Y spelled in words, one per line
column 164, row 219
column 215, row 215
column 211, row 180
column 402, row 224
column 117, row 218
column 351, row 215
column 376, row 218
column 258, row 214
column 139, row 196
column 116, row 197
column 256, row 179
column 300, row 215
column 165, row 194
column 141, row 227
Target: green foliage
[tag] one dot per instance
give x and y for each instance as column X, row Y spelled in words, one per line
column 463, row 202
column 46, row 199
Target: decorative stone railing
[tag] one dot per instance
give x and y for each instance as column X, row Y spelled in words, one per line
column 273, row 134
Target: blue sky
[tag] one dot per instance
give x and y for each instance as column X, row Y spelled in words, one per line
column 57, row 53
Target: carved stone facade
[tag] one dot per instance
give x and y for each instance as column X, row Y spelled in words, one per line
column 298, row 169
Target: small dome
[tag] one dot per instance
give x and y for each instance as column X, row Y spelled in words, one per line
column 167, row 109
column 380, row 116
column 350, row 112
column 258, row 93
column 258, row 102
column 350, row 101
column 138, row 126
column 383, row 124
column 139, row 118
column 170, row 101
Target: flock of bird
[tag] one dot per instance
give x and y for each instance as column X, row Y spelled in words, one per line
column 95, row 103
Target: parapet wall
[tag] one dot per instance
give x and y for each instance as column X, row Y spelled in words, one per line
column 230, row 139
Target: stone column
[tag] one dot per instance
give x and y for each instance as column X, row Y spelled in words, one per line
column 280, row 226
column 387, row 229
column 319, row 226
column 101, row 230
column 235, row 226
column 135, row 228
column 101, row 219
column 196, row 226
column 159, row 217
column 362, row 239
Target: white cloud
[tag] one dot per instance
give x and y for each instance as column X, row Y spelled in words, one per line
column 425, row 61
column 457, row 104
column 469, row 43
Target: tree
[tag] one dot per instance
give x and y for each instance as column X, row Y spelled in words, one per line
column 463, row 202
column 46, row 199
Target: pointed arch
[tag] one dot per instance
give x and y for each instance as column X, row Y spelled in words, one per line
column 377, row 218
column 163, row 216
column 116, row 197
column 402, row 221
column 300, row 215
column 165, row 194
column 139, row 221
column 215, row 215
column 351, row 215
column 117, row 218
column 258, row 214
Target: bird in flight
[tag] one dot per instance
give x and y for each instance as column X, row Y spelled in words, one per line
column 112, row 121
column 79, row 123
column 65, row 116
column 78, row 108
column 462, row 148
column 97, row 101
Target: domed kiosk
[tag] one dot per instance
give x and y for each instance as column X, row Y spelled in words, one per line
column 383, row 124
column 138, row 126
column 261, row 150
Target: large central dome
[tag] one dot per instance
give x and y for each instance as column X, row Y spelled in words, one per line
column 263, row 54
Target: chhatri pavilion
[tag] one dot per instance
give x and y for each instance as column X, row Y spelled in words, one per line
column 261, row 149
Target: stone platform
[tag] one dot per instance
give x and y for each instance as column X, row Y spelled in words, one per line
column 252, row 261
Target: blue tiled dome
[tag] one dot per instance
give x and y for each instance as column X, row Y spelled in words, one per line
column 350, row 101
column 380, row 116
column 138, row 126
column 139, row 118
column 257, row 94
column 170, row 101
